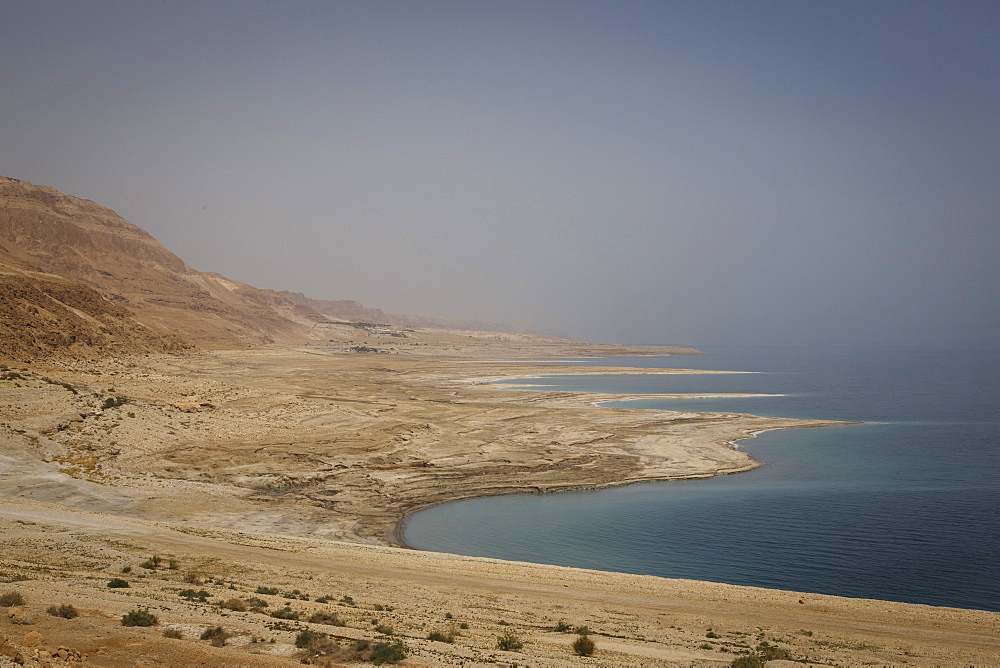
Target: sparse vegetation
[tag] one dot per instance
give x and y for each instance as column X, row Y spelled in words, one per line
column 65, row 611
column 118, row 583
column 581, row 631
column 234, row 604
column 562, row 626
column 584, row 646
column 307, row 637
column 172, row 633
column 712, row 634
column 192, row 595
column 114, row 402
column 216, row 635
column 384, row 652
column 328, row 618
column 11, row 598
column 440, row 636
column 509, row 642
column 385, row 629
column 269, row 591
column 152, row 563
column 285, row 613
column 139, row 617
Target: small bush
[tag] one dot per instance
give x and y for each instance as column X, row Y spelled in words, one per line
column 581, row 631
column 509, row 642
column 328, row 618
column 307, row 637
column 706, row 645
column 285, row 613
column 126, row 570
column 712, row 634
column 217, row 636
column 385, row 629
column 192, row 577
column 114, row 402
column 139, row 617
column 192, row 595
column 348, row 600
column 173, row 633
column 65, row 611
column 152, row 563
column 255, row 602
column 174, row 565
column 11, row 598
column 234, row 604
column 118, row 583
column 562, row 626
column 269, row 591
column 770, row 652
column 584, row 646
column 463, row 625
column 384, row 652
column 747, row 661
column 441, row 637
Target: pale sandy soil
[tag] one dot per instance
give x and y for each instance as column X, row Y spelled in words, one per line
column 242, row 465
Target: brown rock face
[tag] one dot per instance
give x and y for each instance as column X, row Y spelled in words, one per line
column 118, row 278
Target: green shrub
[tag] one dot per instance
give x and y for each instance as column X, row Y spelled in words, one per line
column 11, row 598
column 584, row 646
column 384, row 652
column 581, row 631
column 217, row 636
column 118, row 583
column 712, row 634
column 139, row 617
column 65, row 611
column 509, row 642
column 562, row 626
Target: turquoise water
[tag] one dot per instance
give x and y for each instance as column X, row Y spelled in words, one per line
column 902, row 508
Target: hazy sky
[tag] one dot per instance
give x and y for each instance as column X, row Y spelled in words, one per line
column 645, row 172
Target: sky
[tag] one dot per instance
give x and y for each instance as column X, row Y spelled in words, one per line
column 694, row 173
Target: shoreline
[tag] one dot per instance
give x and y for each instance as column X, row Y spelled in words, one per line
column 395, row 536
column 288, row 467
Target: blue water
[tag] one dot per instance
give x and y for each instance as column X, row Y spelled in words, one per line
column 903, row 507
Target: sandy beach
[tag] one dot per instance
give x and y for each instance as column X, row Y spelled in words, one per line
column 290, row 468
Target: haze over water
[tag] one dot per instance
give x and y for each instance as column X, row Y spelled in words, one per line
column 899, row 508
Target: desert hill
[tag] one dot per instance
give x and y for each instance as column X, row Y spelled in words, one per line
column 131, row 294
column 45, row 231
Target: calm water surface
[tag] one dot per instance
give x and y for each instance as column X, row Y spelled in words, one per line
column 902, row 508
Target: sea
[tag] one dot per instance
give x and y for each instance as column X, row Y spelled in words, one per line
column 903, row 507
